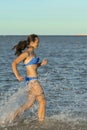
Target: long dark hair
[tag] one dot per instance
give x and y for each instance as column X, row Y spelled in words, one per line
column 20, row 47
column 24, row 44
column 32, row 37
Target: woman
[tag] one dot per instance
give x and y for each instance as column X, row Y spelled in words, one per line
column 31, row 62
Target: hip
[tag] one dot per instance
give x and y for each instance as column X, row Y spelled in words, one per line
column 33, row 85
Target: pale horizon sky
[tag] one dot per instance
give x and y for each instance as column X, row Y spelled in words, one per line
column 43, row 17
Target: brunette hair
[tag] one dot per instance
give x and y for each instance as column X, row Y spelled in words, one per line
column 24, row 44
column 20, row 47
column 32, row 37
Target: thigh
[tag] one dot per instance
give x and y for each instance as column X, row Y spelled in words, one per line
column 36, row 88
column 31, row 98
column 41, row 98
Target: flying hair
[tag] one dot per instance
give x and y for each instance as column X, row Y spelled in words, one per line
column 20, row 47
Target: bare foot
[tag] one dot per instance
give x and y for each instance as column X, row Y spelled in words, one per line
column 2, row 121
column 11, row 117
column 41, row 120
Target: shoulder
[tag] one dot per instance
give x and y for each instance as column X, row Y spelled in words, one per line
column 21, row 58
column 30, row 51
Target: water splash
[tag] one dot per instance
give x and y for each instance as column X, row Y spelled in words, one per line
column 13, row 103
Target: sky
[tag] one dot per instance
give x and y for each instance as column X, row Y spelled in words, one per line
column 43, row 17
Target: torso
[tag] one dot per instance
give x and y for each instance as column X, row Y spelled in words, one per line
column 30, row 56
column 31, row 69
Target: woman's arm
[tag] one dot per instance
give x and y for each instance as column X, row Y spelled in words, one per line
column 16, row 62
column 44, row 62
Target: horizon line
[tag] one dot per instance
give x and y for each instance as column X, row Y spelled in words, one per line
column 44, row 34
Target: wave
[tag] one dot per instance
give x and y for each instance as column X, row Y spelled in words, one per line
column 48, row 124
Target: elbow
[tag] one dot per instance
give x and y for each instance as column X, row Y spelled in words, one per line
column 14, row 64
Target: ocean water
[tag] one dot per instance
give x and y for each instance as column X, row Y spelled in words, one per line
column 64, row 81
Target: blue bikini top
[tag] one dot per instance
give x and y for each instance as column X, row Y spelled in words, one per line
column 34, row 60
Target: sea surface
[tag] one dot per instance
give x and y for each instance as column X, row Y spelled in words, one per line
column 64, row 80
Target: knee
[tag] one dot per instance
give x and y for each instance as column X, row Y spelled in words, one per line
column 43, row 102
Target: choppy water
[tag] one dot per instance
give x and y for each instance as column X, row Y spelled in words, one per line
column 64, row 79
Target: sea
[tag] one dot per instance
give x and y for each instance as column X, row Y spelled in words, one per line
column 64, row 80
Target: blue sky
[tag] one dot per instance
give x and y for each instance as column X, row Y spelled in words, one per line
column 43, row 17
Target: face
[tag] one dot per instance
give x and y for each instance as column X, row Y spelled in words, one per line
column 36, row 43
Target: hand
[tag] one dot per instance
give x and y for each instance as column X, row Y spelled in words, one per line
column 20, row 78
column 44, row 62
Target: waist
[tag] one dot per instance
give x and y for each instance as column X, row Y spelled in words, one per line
column 30, row 78
column 31, row 71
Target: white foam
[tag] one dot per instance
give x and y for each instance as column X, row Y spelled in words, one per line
column 14, row 102
column 66, row 117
